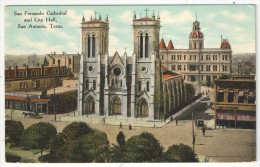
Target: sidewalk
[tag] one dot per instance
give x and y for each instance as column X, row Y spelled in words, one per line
column 115, row 120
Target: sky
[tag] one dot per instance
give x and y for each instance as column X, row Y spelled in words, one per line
column 236, row 23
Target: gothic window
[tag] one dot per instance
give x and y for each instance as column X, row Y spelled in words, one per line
column 220, row 95
column 94, row 85
column 116, row 106
column 141, row 46
column 90, row 105
column 230, row 96
column 88, row 46
column 241, row 96
column 87, row 87
column 146, row 45
column 143, row 108
column 139, row 86
column 147, row 86
column 251, row 97
column 93, row 45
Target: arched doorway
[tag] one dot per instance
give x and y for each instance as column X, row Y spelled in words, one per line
column 143, row 109
column 116, row 106
column 90, row 107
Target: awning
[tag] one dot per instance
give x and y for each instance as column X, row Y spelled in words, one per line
column 26, row 99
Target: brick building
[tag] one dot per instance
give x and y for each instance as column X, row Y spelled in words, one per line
column 235, row 101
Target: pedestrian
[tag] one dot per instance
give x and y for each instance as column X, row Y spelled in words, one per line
column 176, row 121
column 120, row 125
column 130, row 127
column 171, row 119
column 203, row 130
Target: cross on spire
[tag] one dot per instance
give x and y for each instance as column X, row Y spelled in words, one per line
column 146, row 10
column 95, row 14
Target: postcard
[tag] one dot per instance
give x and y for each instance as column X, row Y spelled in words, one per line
column 151, row 83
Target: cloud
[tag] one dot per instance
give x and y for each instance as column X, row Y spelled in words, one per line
column 117, row 29
column 26, row 45
column 126, row 17
column 237, row 16
column 169, row 18
column 222, row 25
column 211, row 15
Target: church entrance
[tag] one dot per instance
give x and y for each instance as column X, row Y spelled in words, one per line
column 90, row 108
column 143, row 109
column 116, row 106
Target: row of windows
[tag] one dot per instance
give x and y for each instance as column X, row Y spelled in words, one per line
column 241, row 96
column 54, row 61
column 139, row 86
column 94, row 84
column 144, row 39
column 194, row 57
column 35, row 84
column 195, row 67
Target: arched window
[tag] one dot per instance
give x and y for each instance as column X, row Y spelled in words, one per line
column 146, row 45
column 220, row 95
column 147, row 86
column 143, row 108
column 139, row 86
column 94, row 85
column 87, row 84
column 121, row 83
column 93, row 45
column 116, row 106
column 88, row 46
column 241, row 96
column 230, row 96
column 141, row 46
column 90, row 108
column 251, row 97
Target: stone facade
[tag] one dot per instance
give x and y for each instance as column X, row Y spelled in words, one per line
column 130, row 86
column 198, row 64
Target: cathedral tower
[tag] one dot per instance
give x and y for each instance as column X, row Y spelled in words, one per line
column 94, row 38
column 146, row 70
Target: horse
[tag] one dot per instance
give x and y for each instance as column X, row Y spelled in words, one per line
column 26, row 114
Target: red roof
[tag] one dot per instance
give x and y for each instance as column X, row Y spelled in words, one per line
column 162, row 44
column 25, row 99
column 170, row 45
column 225, row 44
column 145, row 19
column 196, row 34
column 93, row 21
column 167, row 74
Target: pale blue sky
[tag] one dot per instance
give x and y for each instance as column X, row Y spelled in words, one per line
column 235, row 22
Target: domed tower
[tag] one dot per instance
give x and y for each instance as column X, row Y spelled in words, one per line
column 196, row 37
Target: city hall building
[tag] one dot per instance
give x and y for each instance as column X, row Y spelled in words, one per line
column 198, row 64
column 136, row 85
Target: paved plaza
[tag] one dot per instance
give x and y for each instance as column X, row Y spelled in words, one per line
column 219, row 145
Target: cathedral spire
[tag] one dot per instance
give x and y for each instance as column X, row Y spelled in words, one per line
column 158, row 16
column 106, row 18
column 99, row 18
column 83, row 19
column 134, row 17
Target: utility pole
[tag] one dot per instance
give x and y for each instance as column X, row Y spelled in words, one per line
column 193, row 136
column 54, row 103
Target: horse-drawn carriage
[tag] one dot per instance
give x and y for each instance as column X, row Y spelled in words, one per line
column 31, row 115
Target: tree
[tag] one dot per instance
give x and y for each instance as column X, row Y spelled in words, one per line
column 140, row 148
column 39, row 135
column 179, row 153
column 90, row 146
column 120, row 138
column 189, row 91
column 14, row 130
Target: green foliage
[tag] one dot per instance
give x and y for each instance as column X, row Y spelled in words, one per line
column 10, row 157
column 75, row 130
column 179, row 153
column 14, row 130
column 120, row 138
column 140, row 148
column 39, row 135
column 79, row 143
column 189, row 91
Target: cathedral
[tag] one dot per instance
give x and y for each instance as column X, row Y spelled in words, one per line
column 135, row 85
